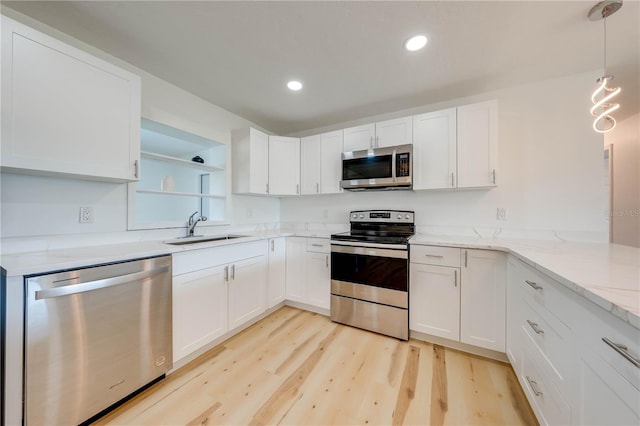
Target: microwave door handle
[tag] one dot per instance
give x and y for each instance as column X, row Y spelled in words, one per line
column 393, row 166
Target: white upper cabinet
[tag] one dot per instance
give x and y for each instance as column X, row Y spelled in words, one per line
column 284, row 165
column 250, row 148
column 331, row 147
column 477, row 144
column 65, row 112
column 310, row 163
column 359, row 137
column 434, row 150
column 321, row 163
column 398, row 131
column 456, row 147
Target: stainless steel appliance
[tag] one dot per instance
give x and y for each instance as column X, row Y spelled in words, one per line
column 94, row 336
column 370, row 272
column 377, row 168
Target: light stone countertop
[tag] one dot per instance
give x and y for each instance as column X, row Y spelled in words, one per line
column 606, row 274
column 45, row 261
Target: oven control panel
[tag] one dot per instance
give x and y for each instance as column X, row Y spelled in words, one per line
column 388, row 216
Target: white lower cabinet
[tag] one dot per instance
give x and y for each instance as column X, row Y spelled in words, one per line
column 435, row 300
column 215, row 290
column 483, row 299
column 296, row 269
column 199, row 309
column 309, row 271
column 318, row 279
column 570, row 375
column 459, row 295
column 277, row 271
column 246, row 290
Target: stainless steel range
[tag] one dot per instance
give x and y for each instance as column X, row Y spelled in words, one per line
column 370, row 272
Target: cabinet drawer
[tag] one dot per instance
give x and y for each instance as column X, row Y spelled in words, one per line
column 196, row 260
column 319, row 245
column 596, row 324
column 540, row 290
column 551, row 337
column 538, row 382
column 434, row 255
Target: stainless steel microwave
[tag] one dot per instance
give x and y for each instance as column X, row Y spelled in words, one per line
column 377, row 168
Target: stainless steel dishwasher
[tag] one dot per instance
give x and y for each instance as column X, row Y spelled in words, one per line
column 94, row 336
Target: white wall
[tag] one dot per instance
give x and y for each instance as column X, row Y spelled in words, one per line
column 625, row 214
column 41, row 206
column 550, row 174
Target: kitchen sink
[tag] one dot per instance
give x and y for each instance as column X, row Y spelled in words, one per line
column 194, row 240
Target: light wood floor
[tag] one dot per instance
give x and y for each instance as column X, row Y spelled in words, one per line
column 298, row 368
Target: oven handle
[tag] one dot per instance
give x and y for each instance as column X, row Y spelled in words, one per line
column 372, row 245
column 370, row 251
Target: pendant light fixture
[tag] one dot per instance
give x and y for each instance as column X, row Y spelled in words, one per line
column 603, row 95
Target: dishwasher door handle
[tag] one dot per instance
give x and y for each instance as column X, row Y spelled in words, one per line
column 97, row 284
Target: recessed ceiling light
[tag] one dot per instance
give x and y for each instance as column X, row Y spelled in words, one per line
column 294, row 85
column 416, row 42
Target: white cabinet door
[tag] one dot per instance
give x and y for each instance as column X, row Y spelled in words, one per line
column 199, row 309
column 310, row 163
column 482, row 299
column 250, row 148
column 435, row 300
column 318, row 279
column 434, row 150
column 246, row 290
column 331, row 146
column 64, row 111
column 284, row 165
column 277, row 271
column 477, row 144
column 296, row 269
column 359, row 137
column 394, row 132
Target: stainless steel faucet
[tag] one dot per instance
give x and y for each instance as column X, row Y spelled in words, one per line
column 191, row 225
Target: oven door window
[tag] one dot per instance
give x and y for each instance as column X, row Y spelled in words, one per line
column 377, row 167
column 385, row 272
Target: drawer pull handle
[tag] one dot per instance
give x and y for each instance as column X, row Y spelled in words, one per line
column 533, row 285
column 534, row 386
column 316, row 245
column 623, row 350
column 434, row 255
column 535, row 327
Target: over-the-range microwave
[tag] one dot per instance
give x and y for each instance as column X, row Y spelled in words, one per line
column 377, row 168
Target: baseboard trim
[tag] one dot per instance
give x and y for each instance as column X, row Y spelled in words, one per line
column 486, row 353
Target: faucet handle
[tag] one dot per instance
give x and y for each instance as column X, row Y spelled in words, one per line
column 203, row 218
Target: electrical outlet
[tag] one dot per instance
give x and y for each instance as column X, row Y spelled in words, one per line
column 501, row 213
column 86, row 214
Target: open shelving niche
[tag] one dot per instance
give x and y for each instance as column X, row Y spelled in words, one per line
column 201, row 187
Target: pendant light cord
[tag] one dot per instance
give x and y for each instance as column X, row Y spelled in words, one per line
column 605, row 46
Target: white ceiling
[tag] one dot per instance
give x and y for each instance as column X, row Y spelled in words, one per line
column 239, row 55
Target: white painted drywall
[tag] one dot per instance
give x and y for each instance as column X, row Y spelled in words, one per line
column 625, row 214
column 549, row 176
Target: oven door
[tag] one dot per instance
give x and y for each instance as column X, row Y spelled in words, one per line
column 369, row 288
column 379, row 275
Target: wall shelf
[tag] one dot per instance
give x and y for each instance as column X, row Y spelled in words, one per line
column 180, row 161
column 182, row 194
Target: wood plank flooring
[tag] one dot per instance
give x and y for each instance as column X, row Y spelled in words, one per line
column 298, row 368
